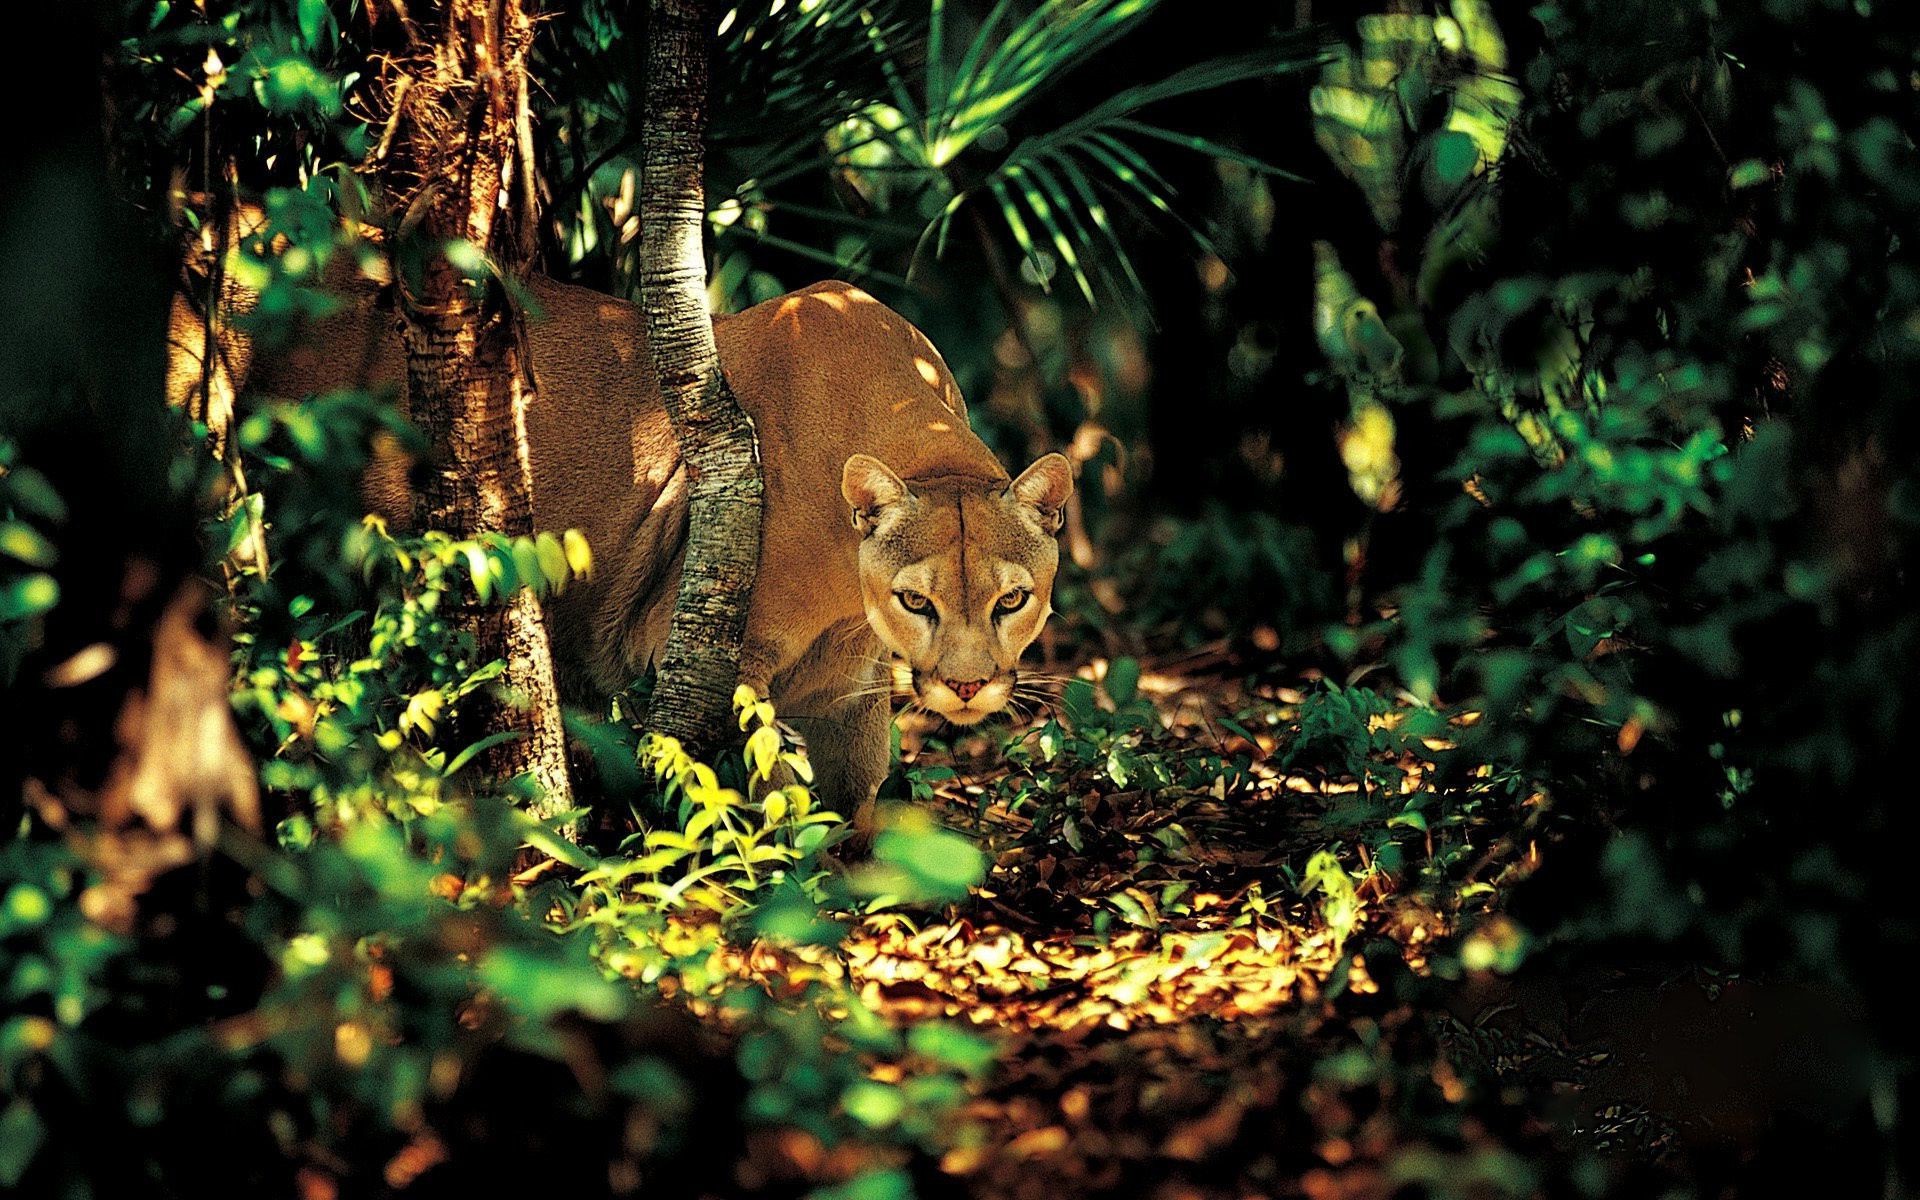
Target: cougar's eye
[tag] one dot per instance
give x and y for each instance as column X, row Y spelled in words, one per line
column 1013, row 601
column 914, row 602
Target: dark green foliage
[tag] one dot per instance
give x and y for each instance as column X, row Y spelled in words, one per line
column 919, row 122
column 1666, row 369
column 1224, row 570
column 29, row 509
column 1648, row 394
column 1112, row 733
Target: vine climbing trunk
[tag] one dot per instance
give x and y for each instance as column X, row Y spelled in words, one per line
column 700, row 666
column 459, row 122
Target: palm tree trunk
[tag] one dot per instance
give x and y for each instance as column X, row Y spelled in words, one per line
column 700, row 665
column 468, row 385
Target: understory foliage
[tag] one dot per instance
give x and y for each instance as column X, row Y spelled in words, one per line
column 399, row 967
column 29, row 509
column 1620, row 324
column 1631, row 383
column 1628, row 358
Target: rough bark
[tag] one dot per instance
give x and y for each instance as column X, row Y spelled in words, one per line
column 458, row 125
column 700, row 666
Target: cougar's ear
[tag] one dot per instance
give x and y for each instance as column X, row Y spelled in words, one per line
column 869, row 486
column 1044, row 487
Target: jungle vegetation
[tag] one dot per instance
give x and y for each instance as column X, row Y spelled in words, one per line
column 1480, row 673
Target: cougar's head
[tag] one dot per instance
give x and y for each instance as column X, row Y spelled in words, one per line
column 957, row 575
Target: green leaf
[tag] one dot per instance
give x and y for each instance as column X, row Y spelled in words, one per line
column 966, row 1052
column 1208, row 147
column 1123, row 680
column 527, row 564
column 553, row 561
column 468, row 258
column 762, row 751
column 539, row 983
column 313, row 20
column 937, row 863
column 579, row 554
column 1035, row 194
column 889, row 1184
column 1097, row 213
column 875, row 1105
column 792, row 918
column 24, row 543
column 1455, row 157
column 21, row 1134
column 1132, row 910
column 482, row 572
column 546, row 839
column 809, row 839
column 30, row 492
column 28, row 596
column 1018, row 225
column 1077, row 704
column 478, row 748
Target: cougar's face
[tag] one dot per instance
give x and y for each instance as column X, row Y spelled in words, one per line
column 957, row 576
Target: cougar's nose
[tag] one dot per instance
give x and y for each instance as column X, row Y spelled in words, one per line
column 967, row 691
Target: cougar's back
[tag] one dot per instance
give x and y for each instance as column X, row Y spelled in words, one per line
column 825, row 373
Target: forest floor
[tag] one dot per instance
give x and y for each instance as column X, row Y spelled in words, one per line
column 1190, row 1005
column 1148, row 986
column 1157, row 1008
column 1181, row 1009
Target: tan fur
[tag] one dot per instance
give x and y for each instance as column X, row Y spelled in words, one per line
column 828, row 375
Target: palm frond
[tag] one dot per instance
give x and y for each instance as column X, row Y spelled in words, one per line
column 1096, row 211
column 882, row 44
column 1205, row 146
column 859, row 263
column 882, row 108
column 1055, row 176
column 1039, row 203
column 1057, row 197
column 991, row 87
column 786, row 72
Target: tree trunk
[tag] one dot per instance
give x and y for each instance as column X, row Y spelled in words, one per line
column 700, row 666
column 468, row 385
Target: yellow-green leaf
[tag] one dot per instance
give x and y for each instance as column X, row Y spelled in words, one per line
column 553, row 561
column 763, row 751
column 579, row 554
column 482, row 573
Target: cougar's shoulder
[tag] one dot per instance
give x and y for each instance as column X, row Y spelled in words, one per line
column 827, row 372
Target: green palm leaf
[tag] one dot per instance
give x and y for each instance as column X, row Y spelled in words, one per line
column 1057, row 174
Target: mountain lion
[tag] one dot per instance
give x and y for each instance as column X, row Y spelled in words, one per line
column 888, row 524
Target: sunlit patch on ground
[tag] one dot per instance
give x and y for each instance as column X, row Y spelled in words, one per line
column 1002, row 978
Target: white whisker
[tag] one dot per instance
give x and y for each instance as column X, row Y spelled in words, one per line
column 857, row 693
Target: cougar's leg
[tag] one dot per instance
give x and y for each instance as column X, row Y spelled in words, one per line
column 839, row 700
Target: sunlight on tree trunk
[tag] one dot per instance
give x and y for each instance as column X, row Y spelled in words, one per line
column 700, row 666
column 460, row 119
